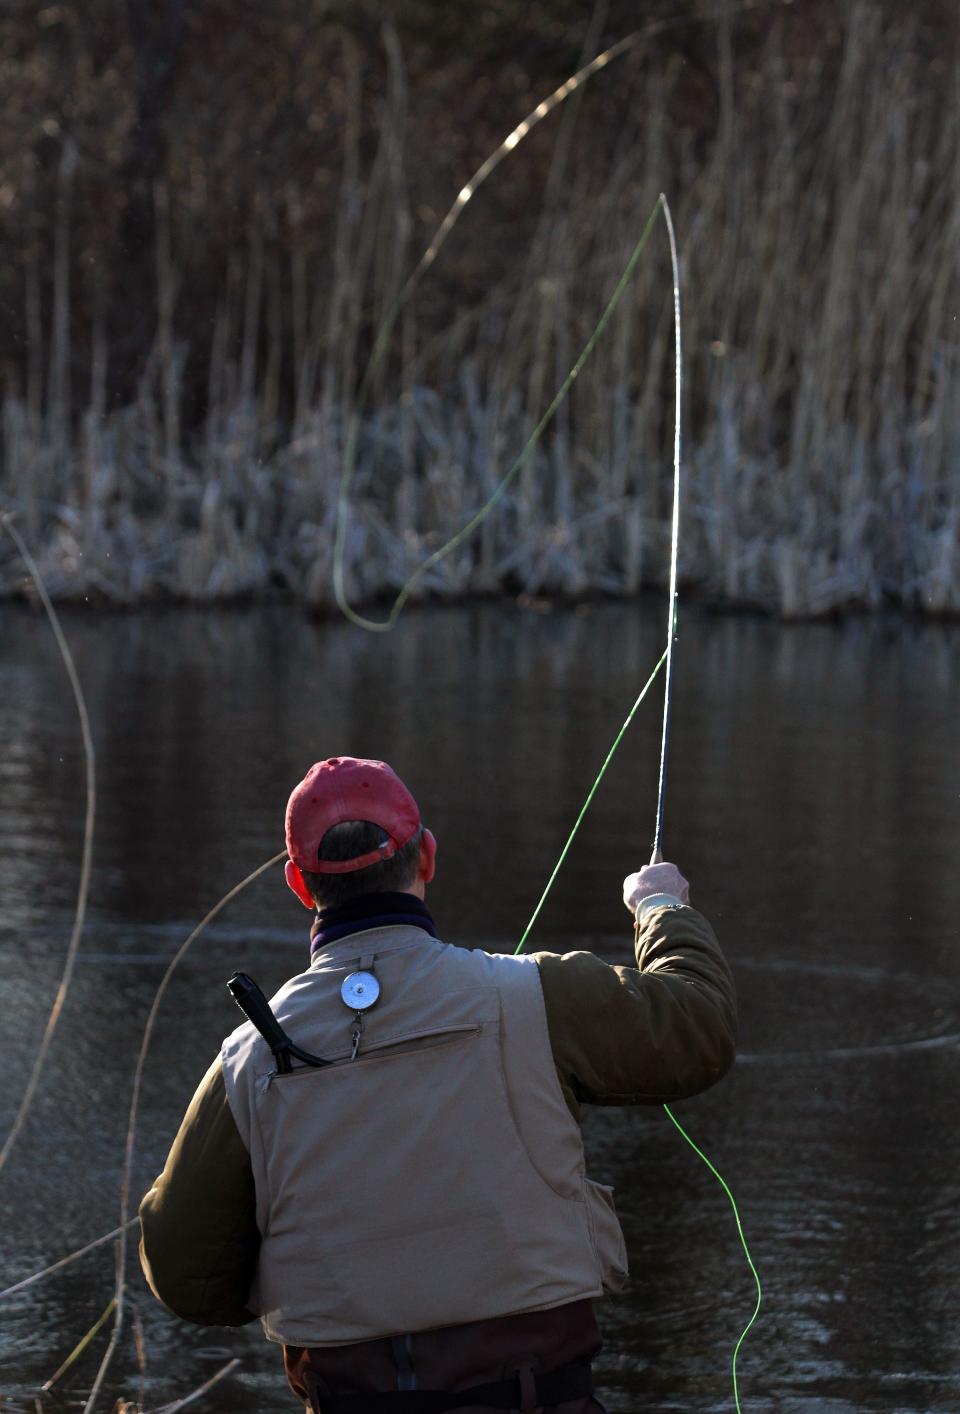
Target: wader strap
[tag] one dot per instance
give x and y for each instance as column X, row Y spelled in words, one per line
column 313, row 1394
column 528, row 1390
column 568, row 1383
column 402, row 1348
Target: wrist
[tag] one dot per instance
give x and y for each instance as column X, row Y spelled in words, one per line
column 654, row 901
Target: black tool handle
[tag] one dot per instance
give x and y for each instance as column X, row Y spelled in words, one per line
column 256, row 1008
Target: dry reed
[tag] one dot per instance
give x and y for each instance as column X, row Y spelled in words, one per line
column 120, row 1291
column 821, row 285
column 63, row 1262
column 86, row 861
column 201, row 1390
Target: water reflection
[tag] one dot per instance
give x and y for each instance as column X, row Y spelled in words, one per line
column 812, row 798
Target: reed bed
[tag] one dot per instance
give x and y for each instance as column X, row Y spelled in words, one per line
column 821, row 290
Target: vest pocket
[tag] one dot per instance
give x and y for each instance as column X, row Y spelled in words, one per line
column 607, row 1235
column 405, row 1043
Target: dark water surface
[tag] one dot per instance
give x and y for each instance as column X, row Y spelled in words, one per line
column 814, row 802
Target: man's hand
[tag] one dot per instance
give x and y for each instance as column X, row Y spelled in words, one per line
column 654, row 879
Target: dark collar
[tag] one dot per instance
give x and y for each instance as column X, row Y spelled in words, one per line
column 368, row 911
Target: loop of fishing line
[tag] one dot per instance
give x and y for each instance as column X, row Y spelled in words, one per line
column 466, row 194
column 474, row 523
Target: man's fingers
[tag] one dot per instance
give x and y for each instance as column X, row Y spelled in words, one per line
column 662, row 878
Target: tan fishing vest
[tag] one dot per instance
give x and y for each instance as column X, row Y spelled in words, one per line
column 436, row 1179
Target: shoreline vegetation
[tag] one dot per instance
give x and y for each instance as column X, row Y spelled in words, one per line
column 817, row 209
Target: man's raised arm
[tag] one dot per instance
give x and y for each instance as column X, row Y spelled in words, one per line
column 661, row 1031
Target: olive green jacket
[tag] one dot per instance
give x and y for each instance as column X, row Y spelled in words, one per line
column 659, row 1032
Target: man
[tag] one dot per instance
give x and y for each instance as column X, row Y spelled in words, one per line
column 411, row 1216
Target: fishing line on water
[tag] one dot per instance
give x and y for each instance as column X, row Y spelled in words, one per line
column 746, row 1250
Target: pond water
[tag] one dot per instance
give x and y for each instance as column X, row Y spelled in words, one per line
column 813, row 801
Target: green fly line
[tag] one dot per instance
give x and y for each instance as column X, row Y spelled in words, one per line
column 385, row 625
column 475, row 521
column 746, row 1250
column 586, row 804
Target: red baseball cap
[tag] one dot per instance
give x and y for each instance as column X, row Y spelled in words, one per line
column 348, row 788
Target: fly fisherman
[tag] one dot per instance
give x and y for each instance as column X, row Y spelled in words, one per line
column 392, row 1178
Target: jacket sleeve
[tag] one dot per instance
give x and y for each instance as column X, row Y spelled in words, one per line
column 661, row 1031
column 200, row 1240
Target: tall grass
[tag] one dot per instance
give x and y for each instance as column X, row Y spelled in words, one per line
column 821, row 284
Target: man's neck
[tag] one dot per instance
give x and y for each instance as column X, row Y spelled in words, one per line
column 366, row 911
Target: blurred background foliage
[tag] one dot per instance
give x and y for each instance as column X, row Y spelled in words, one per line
column 206, row 210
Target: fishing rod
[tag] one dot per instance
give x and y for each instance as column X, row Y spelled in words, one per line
column 656, row 857
column 666, row 659
column 657, row 854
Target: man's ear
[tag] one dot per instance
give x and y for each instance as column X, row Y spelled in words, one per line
column 298, row 884
column 428, row 856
